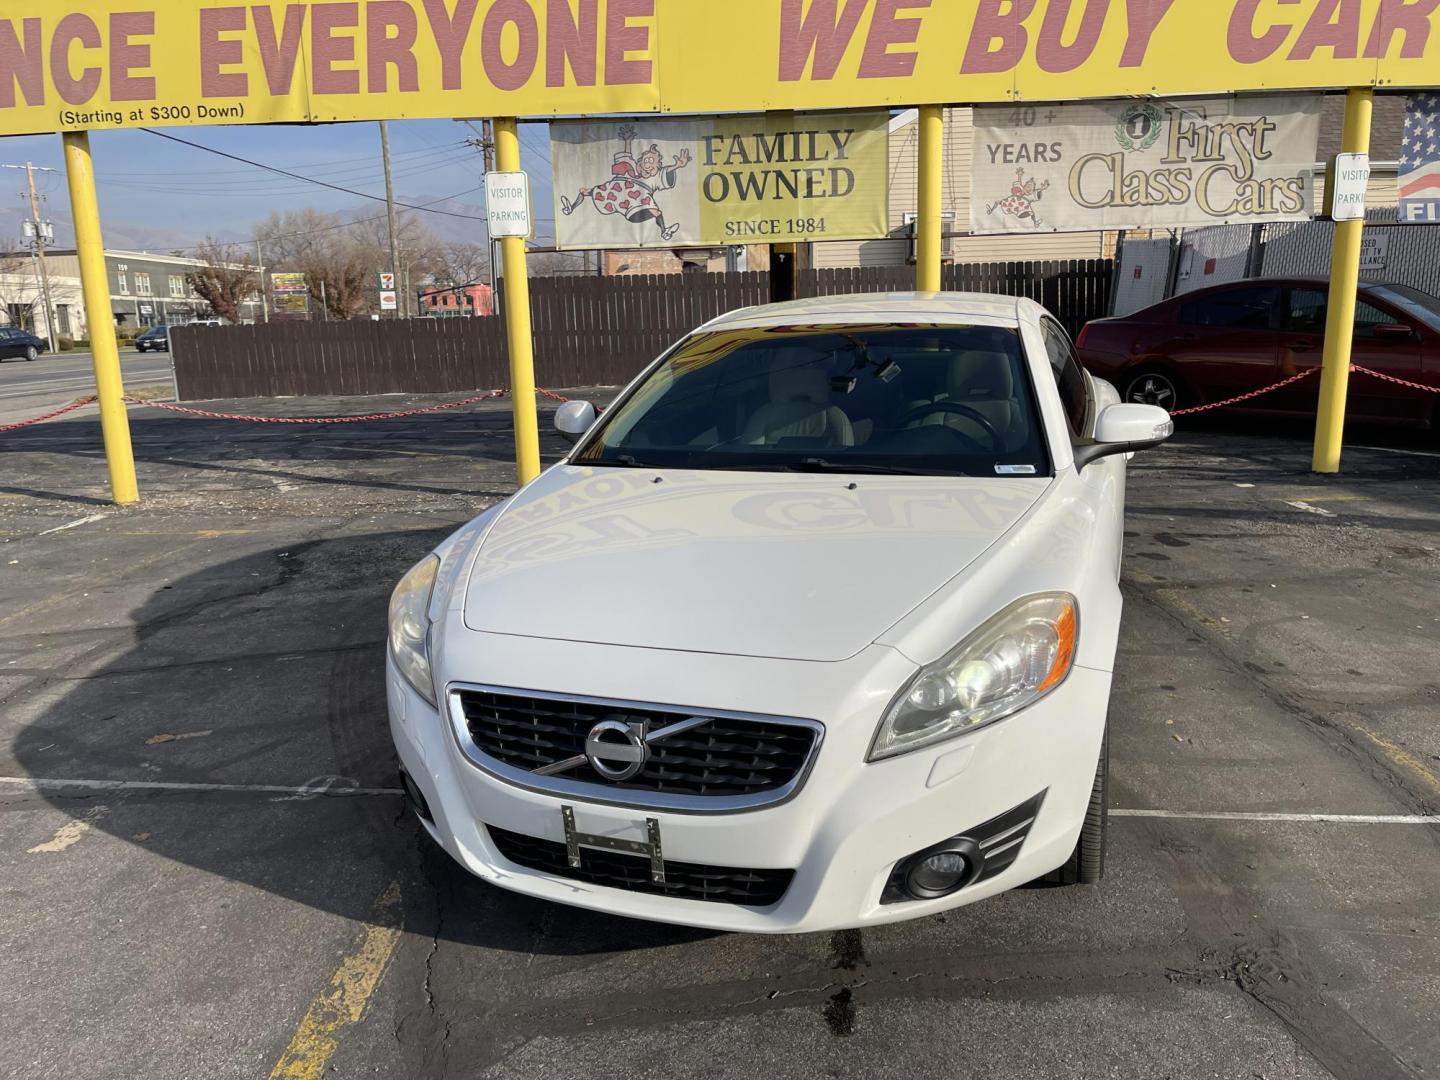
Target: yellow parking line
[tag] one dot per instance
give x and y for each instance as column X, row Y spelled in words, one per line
column 344, row 1000
column 1402, row 757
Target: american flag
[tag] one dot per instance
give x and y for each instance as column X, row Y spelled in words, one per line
column 1420, row 161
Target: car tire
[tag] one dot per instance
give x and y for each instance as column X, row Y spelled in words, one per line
column 1086, row 865
column 31, row 353
column 1155, row 386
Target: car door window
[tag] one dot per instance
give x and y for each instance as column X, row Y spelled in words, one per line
column 1069, row 377
column 1305, row 311
column 1233, row 309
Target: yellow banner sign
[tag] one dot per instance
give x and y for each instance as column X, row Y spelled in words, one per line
column 69, row 64
column 759, row 179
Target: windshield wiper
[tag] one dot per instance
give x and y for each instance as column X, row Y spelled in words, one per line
column 822, row 465
column 628, row 461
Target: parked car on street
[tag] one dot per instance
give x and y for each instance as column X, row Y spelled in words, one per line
column 1228, row 340
column 20, row 344
column 813, row 628
column 156, row 339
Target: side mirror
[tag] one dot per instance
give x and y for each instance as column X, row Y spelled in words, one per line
column 1393, row 332
column 574, row 419
column 1124, row 429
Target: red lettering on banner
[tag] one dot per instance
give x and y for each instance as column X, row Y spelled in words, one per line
column 992, row 25
column 328, row 48
column 1334, row 24
column 382, row 49
column 74, row 89
column 622, row 38
column 21, row 65
column 1245, row 47
column 572, row 38
column 509, row 76
column 450, row 33
column 1143, row 16
column 1051, row 52
column 278, row 54
column 217, row 52
column 887, row 28
column 126, row 56
column 821, row 31
column 1412, row 17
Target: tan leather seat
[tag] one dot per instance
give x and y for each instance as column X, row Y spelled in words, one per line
column 799, row 408
column 985, row 382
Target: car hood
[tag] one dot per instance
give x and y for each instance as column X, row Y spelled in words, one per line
column 791, row 566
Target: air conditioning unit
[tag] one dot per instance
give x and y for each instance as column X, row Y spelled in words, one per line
column 947, row 228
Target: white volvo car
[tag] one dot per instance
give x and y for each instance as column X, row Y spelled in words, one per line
column 812, row 629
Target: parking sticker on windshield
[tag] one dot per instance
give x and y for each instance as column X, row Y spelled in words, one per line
column 1015, row 470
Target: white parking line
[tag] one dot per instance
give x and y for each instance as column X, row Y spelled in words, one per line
column 74, row 524
column 310, row 790
column 1236, row 815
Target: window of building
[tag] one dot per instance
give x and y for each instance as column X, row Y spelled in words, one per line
column 142, row 284
column 124, row 284
column 177, row 286
column 62, row 319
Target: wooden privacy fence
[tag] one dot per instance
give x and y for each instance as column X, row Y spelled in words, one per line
column 588, row 331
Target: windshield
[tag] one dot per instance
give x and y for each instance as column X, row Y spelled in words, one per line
column 949, row 400
column 1418, row 305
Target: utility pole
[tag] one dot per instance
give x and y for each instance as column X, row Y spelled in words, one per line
column 390, row 214
column 39, row 249
column 486, row 145
column 260, row 270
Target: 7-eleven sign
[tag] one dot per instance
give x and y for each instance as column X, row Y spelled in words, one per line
column 387, row 282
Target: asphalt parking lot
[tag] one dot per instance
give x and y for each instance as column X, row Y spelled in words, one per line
column 205, row 872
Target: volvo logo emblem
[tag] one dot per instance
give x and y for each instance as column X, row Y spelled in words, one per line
column 617, row 750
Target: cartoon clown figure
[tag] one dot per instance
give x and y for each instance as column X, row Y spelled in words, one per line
column 634, row 182
column 1020, row 204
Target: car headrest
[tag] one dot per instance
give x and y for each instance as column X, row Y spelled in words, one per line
column 797, row 383
column 981, row 374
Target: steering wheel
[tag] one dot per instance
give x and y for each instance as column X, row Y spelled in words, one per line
column 997, row 441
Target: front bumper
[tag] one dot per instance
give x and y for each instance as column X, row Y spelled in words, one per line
column 843, row 831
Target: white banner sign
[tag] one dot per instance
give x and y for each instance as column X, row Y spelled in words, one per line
column 1144, row 164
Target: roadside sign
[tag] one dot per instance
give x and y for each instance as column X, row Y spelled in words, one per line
column 719, row 181
column 288, row 284
column 1345, row 192
column 387, row 282
column 389, row 301
column 1144, row 164
column 203, row 62
column 1419, row 180
column 1374, row 250
column 507, row 204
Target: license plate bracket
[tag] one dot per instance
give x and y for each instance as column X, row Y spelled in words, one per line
column 650, row 847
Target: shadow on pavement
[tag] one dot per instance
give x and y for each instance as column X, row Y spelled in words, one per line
column 267, row 670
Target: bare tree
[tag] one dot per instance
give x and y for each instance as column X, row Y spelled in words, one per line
column 14, row 307
column 227, row 279
column 461, row 262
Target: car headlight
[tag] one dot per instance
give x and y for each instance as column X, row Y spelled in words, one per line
column 410, row 626
column 1011, row 662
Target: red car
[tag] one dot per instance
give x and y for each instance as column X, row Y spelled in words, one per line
column 1227, row 340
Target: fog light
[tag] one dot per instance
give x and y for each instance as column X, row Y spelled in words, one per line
column 943, row 869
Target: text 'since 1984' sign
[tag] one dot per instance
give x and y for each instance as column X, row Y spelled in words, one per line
column 125, row 63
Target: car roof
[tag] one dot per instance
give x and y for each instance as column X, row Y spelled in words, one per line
column 882, row 308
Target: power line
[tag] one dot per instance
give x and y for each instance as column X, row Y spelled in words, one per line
column 306, row 179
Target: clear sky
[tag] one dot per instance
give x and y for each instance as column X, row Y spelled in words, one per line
column 159, row 195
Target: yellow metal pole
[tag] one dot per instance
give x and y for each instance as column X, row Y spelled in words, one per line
column 928, row 225
column 517, row 321
column 1344, row 285
column 109, row 385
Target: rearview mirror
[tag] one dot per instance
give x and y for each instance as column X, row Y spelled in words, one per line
column 1124, row 429
column 573, row 419
column 1393, row 332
